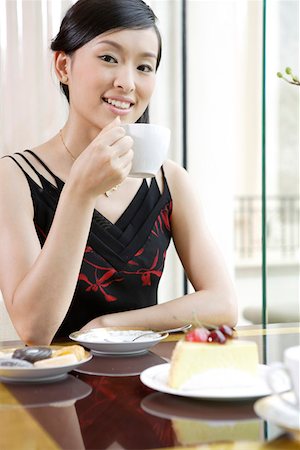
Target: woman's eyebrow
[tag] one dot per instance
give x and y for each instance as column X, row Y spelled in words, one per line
column 120, row 47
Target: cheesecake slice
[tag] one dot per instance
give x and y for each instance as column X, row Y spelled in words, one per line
column 209, row 364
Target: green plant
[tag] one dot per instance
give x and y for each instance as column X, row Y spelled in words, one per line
column 293, row 79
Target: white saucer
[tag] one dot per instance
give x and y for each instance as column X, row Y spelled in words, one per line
column 156, row 378
column 118, row 342
column 277, row 411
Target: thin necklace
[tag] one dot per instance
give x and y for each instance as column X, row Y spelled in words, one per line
column 62, row 140
column 107, row 193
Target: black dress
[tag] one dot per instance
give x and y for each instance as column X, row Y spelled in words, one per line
column 123, row 262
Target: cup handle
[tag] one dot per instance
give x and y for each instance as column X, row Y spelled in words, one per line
column 279, row 381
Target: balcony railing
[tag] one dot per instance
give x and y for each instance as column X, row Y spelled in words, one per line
column 282, row 229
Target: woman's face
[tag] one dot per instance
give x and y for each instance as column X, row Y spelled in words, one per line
column 113, row 75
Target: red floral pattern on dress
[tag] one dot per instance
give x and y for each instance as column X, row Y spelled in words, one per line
column 105, row 275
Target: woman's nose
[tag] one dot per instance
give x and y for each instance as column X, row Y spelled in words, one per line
column 125, row 79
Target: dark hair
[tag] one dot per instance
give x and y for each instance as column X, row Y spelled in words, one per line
column 86, row 19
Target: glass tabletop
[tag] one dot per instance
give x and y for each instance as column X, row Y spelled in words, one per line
column 106, row 406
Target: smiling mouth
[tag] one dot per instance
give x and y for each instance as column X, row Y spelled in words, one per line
column 118, row 104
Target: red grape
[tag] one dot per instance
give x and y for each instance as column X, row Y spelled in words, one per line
column 225, row 329
column 197, row 335
column 216, row 336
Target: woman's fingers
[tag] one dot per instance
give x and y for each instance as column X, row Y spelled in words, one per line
column 111, row 133
column 114, row 123
column 109, row 137
column 107, row 161
column 117, row 150
column 122, row 145
column 121, row 158
column 114, row 135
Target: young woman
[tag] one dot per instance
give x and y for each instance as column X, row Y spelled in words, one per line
column 82, row 244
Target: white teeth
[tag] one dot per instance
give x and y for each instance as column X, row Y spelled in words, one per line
column 117, row 104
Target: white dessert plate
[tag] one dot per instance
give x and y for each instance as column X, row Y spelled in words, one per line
column 38, row 374
column 156, row 378
column 274, row 409
column 109, row 341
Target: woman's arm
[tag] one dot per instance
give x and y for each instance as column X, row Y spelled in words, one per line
column 214, row 301
column 38, row 284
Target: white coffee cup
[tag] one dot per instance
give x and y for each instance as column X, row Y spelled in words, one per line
column 290, row 369
column 151, row 144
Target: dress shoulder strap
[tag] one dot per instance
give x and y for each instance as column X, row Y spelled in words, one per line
column 166, row 186
column 44, row 183
column 31, row 166
column 42, row 163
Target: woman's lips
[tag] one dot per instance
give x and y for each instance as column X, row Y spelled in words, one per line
column 120, row 107
column 123, row 104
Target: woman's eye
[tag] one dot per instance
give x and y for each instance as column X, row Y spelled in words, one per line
column 108, row 58
column 145, row 68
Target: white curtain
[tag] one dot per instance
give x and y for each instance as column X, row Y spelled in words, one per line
column 32, row 108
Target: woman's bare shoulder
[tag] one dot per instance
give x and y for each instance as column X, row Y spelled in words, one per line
column 176, row 175
column 171, row 167
column 10, row 172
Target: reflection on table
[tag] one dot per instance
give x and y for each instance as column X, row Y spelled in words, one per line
column 41, row 415
column 205, row 421
column 119, row 366
column 58, row 393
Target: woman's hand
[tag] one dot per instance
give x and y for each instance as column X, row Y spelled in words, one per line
column 105, row 163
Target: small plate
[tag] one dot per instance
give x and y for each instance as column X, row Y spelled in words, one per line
column 275, row 410
column 112, row 341
column 156, row 378
column 37, row 374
